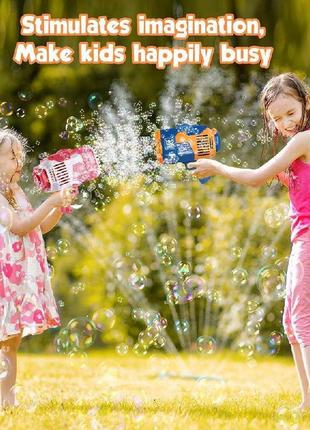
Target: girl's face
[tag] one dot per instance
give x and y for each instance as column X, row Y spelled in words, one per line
column 11, row 160
column 286, row 114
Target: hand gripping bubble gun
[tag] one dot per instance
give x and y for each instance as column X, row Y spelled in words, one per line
column 187, row 143
column 66, row 168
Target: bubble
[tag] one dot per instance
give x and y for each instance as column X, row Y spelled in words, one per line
column 138, row 314
column 63, row 246
column 182, row 325
column 159, row 250
column 157, row 324
column 206, row 344
column 163, row 323
column 211, row 263
column 81, row 199
column 104, row 319
column 95, row 101
column 194, row 212
column 166, row 260
column 194, row 286
column 175, row 292
column 6, row 108
column 137, row 281
column 78, row 358
column 20, row 113
column 81, row 332
column 275, row 216
column 62, row 102
column 253, row 328
column 146, row 338
column 178, row 295
column 269, row 252
column 151, row 317
column 4, row 368
column 77, row 287
column 51, row 253
column 170, row 285
column 270, row 279
column 246, row 349
column 62, row 341
column 252, row 306
column 275, row 339
column 168, row 244
column 64, row 135
column 24, row 95
column 122, row 349
column 183, row 269
column 239, row 276
column 41, row 111
column 160, row 341
column 73, row 125
column 236, row 252
column 139, row 349
column 51, row 270
column 43, row 155
column 282, row 263
column 100, row 206
column 3, row 122
column 144, row 198
column 138, row 229
column 6, row 219
column 257, row 315
column 32, row 401
column 50, row 104
column 214, row 296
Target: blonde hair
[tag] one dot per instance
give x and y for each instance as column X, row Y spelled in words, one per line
column 13, row 136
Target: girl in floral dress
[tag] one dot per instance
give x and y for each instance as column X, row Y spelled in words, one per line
column 27, row 304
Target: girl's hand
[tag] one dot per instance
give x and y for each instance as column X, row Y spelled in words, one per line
column 204, row 167
column 63, row 197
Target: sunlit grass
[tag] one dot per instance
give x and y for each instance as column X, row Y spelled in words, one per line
column 108, row 391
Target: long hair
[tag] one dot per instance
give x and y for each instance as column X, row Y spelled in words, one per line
column 11, row 135
column 288, row 84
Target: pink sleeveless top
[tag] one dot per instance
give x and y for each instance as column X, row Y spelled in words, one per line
column 299, row 192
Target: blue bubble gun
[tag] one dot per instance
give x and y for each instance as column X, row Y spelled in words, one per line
column 186, row 143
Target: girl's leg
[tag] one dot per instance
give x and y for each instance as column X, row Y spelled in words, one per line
column 302, row 374
column 306, row 360
column 9, row 353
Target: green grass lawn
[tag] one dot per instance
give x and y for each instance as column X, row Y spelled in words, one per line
column 108, row 391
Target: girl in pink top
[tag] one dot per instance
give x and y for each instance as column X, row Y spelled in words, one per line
column 27, row 304
column 286, row 110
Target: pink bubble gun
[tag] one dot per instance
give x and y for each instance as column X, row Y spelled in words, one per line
column 66, row 168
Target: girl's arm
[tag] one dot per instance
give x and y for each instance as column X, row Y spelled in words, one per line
column 295, row 148
column 22, row 226
column 51, row 220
